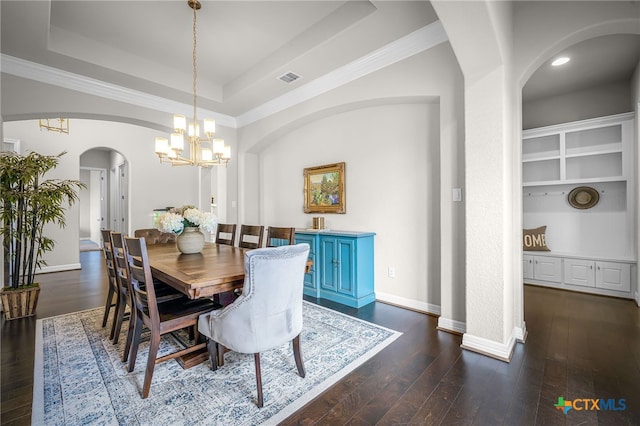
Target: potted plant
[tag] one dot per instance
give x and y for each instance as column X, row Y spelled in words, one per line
column 27, row 203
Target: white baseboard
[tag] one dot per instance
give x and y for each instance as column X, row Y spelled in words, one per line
column 520, row 333
column 454, row 326
column 497, row 350
column 59, row 268
column 408, row 303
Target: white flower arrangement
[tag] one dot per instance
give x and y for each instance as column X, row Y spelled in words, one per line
column 176, row 219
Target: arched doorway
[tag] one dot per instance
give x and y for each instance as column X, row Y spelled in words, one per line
column 104, row 203
column 585, row 92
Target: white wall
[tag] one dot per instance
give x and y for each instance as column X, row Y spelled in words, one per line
column 392, row 168
column 600, row 231
column 425, row 78
column 598, row 101
column 151, row 184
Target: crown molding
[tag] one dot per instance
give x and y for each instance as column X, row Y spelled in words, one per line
column 80, row 83
column 405, row 47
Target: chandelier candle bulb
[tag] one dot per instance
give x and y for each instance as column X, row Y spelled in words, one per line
column 179, row 123
column 177, row 142
column 207, row 155
column 218, row 146
column 209, row 127
column 162, row 146
column 194, row 130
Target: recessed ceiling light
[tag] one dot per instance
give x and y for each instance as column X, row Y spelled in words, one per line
column 560, row 61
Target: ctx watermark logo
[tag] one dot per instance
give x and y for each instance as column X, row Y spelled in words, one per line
column 590, row 404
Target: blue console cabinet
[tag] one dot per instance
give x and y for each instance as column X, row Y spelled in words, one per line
column 342, row 268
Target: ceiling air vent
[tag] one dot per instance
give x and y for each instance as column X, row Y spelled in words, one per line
column 289, row 77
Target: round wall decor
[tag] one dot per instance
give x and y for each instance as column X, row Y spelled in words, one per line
column 583, row 197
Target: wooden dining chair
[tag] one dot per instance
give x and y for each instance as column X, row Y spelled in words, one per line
column 267, row 314
column 226, row 234
column 112, row 293
column 164, row 293
column 123, row 294
column 280, row 236
column 159, row 318
column 251, row 236
column 155, row 236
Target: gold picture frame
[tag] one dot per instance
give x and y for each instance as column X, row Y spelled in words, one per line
column 324, row 189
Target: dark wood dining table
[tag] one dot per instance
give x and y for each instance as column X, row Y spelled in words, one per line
column 218, row 268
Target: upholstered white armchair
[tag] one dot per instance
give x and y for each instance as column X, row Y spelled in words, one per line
column 267, row 314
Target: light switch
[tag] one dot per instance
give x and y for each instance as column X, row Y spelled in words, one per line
column 456, row 194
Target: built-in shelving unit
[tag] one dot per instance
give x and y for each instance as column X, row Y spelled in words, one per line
column 581, row 152
column 593, row 250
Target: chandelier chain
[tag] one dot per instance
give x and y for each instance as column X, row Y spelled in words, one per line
column 195, row 68
column 203, row 151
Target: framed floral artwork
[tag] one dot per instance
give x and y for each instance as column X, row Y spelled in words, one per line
column 324, row 189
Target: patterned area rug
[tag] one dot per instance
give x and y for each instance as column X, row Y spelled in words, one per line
column 80, row 380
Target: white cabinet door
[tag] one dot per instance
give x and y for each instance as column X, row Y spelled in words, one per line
column 547, row 268
column 613, row 276
column 579, row 272
column 527, row 266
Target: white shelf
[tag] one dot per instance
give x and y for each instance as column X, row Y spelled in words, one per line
column 533, row 160
column 575, row 181
column 592, row 153
column 581, row 152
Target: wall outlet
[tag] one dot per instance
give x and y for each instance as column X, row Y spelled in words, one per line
column 392, row 272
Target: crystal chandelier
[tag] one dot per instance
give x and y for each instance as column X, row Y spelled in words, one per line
column 203, row 151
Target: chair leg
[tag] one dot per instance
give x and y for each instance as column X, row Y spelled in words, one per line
column 297, row 354
column 212, row 347
column 127, row 344
column 122, row 305
column 220, row 354
column 107, row 306
column 135, row 342
column 151, row 362
column 115, row 316
column 256, row 358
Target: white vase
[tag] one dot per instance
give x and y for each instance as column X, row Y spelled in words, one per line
column 190, row 241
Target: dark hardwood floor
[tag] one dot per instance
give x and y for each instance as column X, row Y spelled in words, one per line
column 579, row 346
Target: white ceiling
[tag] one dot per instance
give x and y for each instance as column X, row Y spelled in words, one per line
column 594, row 62
column 243, row 46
